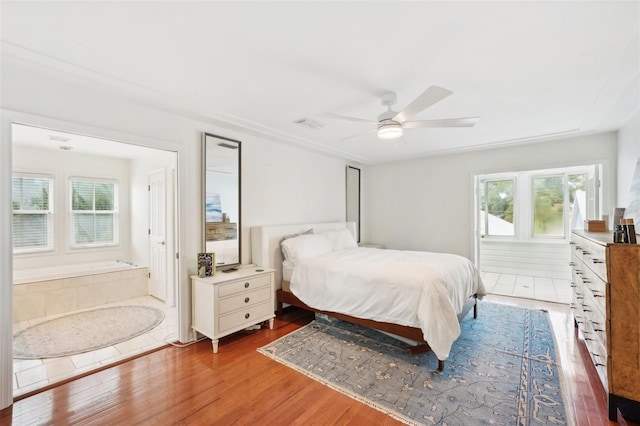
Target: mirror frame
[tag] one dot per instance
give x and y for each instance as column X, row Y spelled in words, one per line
column 353, row 197
column 205, row 136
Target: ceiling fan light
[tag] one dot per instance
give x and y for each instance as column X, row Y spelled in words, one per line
column 391, row 130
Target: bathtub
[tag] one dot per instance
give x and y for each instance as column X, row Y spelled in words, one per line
column 56, row 290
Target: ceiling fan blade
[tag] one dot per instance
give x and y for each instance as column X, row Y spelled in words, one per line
column 429, row 97
column 447, row 122
column 358, row 134
column 343, row 117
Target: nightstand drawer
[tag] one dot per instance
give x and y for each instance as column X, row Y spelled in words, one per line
column 245, row 316
column 238, row 301
column 244, row 285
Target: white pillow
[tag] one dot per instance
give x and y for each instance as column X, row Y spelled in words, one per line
column 341, row 239
column 305, row 246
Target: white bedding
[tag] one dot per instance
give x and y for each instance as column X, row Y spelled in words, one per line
column 417, row 289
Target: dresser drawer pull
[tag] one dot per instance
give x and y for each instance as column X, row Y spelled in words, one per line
column 597, row 364
column 598, row 329
column 597, row 261
column 571, row 264
column 246, row 285
column 572, row 243
column 578, row 247
column 578, row 272
column 573, row 286
column 586, row 252
column 246, row 300
column 247, row 315
column 588, row 338
column 597, row 295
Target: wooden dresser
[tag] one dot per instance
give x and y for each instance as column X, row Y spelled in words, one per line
column 606, row 309
column 231, row 301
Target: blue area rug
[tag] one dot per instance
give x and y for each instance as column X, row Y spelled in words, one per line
column 501, row 370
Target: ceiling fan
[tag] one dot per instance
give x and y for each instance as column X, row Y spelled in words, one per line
column 390, row 124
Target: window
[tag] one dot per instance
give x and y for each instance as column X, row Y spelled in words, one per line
column 548, row 206
column 497, row 207
column 539, row 204
column 94, row 212
column 31, row 204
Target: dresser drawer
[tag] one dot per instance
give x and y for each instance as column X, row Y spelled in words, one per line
column 237, row 301
column 248, row 316
column 238, row 286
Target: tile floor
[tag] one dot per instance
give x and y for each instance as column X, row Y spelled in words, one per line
column 524, row 286
column 32, row 374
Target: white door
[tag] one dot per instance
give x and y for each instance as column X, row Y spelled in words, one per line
column 157, row 235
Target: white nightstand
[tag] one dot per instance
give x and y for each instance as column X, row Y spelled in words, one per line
column 232, row 301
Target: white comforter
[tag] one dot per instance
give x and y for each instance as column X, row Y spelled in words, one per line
column 417, row 289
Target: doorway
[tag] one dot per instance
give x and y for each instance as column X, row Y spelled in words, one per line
column 523, row 225
column 60, row 239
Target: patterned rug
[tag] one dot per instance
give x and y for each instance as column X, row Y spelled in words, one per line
column 502, row 370
column 84, row 331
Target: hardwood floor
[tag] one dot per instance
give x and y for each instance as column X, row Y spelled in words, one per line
column 240, row 386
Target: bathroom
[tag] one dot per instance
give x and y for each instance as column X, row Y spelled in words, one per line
column 67, row 261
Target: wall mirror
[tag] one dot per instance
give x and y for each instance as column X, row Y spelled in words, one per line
column 221, row 199
column 353, row 197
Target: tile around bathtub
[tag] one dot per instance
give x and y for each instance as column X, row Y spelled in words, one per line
column 20, row 290
column 60, row 301
column 44, row 286
column 28, row 307
column 79, row 281
column 92, row 295
column 107, row 277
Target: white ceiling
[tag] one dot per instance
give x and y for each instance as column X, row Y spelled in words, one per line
column 530, row 70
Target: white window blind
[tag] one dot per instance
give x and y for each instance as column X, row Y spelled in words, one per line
column 32, row 208
column 94, row 212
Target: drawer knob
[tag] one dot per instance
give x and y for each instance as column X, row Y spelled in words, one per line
column 246, row 300
column 247, row 315
column 246, row 285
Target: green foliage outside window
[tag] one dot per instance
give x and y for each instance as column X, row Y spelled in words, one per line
column 500, row 199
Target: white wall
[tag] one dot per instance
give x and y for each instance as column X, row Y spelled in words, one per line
column 426, row 204
column 628, row 155
column 280, row 183
column 62, row 165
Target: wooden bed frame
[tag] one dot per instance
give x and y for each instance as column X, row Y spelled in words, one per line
column 411, row 333
column 265, row 251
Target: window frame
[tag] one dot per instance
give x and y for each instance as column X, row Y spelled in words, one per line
column 532, row 209
column 523, row 209
column 496, row 178
column 49, row 214
column 73, row 244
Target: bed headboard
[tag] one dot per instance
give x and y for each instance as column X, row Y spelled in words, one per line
column 265, row 242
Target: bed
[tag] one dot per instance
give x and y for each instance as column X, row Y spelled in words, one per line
column 419, row 297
